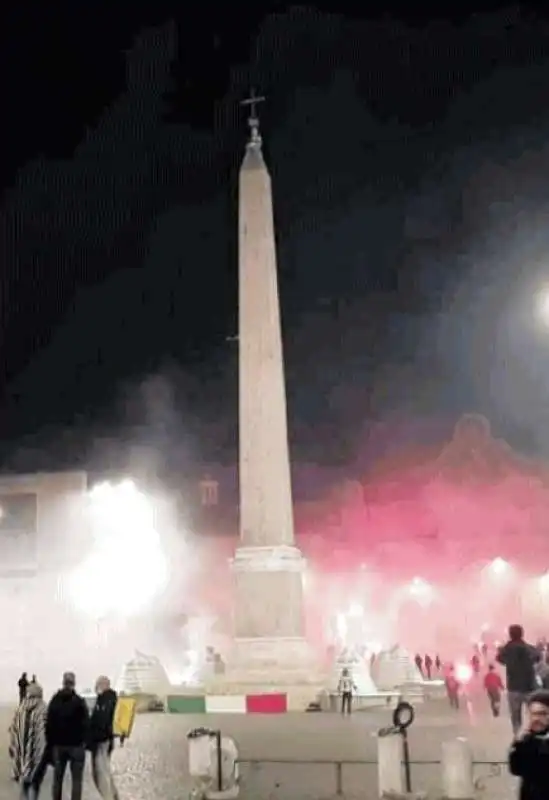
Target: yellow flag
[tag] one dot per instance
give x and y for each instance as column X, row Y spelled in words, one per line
column 124, row 716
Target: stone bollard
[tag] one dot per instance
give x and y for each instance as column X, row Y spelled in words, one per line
column 457, row 770
column 390, row 775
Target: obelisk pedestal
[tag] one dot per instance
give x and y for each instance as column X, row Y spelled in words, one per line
column 270, row 651
column 269, row 645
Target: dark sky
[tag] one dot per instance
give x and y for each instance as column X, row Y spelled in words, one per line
column 409, row 165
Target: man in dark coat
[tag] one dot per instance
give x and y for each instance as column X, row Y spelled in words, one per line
column 519, row 660
column 67, row 734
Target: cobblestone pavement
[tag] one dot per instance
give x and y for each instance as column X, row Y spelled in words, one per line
column 153, row 764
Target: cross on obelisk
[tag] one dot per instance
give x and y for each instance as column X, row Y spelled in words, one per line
column 253, row 120
column 270, row 649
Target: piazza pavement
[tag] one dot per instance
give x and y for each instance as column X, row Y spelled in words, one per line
column 153, row 763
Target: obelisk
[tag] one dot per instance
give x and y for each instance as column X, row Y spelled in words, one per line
column 269, row 649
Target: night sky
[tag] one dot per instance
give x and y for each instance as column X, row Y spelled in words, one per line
column 409, row 160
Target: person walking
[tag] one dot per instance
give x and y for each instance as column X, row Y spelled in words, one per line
column 475, row 664
column 529, row 754
column 27, row 746
column 418, row 661
column 519, row 659
column 66, row 734
column 452, row 688
column 22, row 685
column 543, row 672
column 428, row 661
column 101, row 738
column 494, row 687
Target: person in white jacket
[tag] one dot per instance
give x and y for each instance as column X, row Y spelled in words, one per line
column 346, row 688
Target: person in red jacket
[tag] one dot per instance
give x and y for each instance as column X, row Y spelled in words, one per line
column 494, row 687
column 452, row 688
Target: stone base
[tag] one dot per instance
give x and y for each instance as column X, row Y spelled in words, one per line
column 285, row 656
column 258, row 666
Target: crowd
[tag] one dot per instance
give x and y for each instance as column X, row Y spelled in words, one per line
column 526, row 669
column 59, row 734
column 526, row 682
column 429, row 667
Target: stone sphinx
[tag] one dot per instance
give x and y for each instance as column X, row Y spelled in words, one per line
column 395, row 668
column 143, row 675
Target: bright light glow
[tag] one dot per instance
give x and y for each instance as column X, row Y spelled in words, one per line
column 341, row 626
column 356, row 610
column 499, row 566
column 177, row 678
column 374, row 647
column 542, row 305
column 120, row 505
column 544, row 583
column 464, row 673
column 127, row 568
column 421, row 590
column 190, row 674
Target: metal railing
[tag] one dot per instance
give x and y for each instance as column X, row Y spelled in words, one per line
column 336, row 764
column 494, row 769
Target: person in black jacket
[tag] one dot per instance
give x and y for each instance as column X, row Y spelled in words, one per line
column 519, row 660
column 101, row 738
column 529, row 755
column 66, row 735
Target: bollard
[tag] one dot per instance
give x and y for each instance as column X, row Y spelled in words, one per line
column 390, row 775
column 213, row 765
column 393, row 757
column 457, row 770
